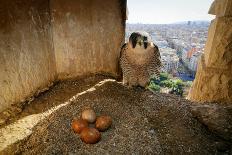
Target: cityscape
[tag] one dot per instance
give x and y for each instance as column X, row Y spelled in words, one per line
column 180, row 45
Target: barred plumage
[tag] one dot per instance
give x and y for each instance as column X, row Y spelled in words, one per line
column 140, row 60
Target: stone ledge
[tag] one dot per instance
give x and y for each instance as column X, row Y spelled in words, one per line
column 221, row 8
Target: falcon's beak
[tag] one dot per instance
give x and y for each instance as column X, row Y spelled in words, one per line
column 140, row 42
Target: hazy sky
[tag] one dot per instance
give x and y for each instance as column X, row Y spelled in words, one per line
column 168, row 11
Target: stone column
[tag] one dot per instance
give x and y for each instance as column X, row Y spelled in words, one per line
column 214, row 75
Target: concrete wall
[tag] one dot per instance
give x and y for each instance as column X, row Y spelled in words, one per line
column 27, row 61
column 87, row 36
column 45, row 40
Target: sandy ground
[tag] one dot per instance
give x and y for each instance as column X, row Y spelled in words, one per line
column 143, row 123
column 20, row 119
column 56, row 95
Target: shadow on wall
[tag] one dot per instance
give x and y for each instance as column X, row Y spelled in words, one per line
column 42, row 41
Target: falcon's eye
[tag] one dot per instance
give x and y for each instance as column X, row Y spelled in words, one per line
column 145, row 39
column 145, row 42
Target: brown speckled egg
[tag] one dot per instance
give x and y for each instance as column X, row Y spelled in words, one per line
column 89, row 115
column 78, row 125
column 90, row 135
column 103, row 123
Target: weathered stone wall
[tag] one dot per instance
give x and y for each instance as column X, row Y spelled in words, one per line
column 27, row 61
column 214, row 75
column 87, row 36
column 45, row 40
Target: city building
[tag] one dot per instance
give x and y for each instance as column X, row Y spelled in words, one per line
column 170, row 60
column 181, row 45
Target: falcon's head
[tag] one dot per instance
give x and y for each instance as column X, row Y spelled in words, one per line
column 140, row 39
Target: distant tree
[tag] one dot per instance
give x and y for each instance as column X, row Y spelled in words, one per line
column 178, row 87
column 164, row 76
column 166, row 83
column 154, row 87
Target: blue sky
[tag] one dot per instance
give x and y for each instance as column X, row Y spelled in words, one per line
column 168, row 11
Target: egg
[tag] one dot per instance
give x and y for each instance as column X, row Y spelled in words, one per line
column 89, row 115
column 103, row 123
column 78, row 125
column 90, row 135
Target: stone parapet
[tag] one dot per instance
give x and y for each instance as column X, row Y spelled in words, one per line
column 211, row 84
column 213, row 80
column 221, row 8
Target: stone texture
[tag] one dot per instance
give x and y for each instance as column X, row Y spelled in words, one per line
column 221, row 8
column 217, row 118
column 219, row 44
column 211, row 84
column 213, row 80
column 45, row 39
column 87, row 37
column 143, row 123
column 27, row 61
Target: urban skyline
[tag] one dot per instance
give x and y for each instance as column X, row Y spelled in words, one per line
column 181, row 45
column 168, row 11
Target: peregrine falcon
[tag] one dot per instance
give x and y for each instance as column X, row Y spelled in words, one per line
column 139, row 60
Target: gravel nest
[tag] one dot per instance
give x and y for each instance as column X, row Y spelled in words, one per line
column 143, row 123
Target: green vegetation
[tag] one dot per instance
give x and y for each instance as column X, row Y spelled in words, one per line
column 164, row 76
column 166, row 83
column 154, row 87
column 177, row 87
column 174, row 85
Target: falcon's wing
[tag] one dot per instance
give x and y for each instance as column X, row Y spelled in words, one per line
column 120, row 64
column 156, row 62
column 123, row 48
column 157, row 56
